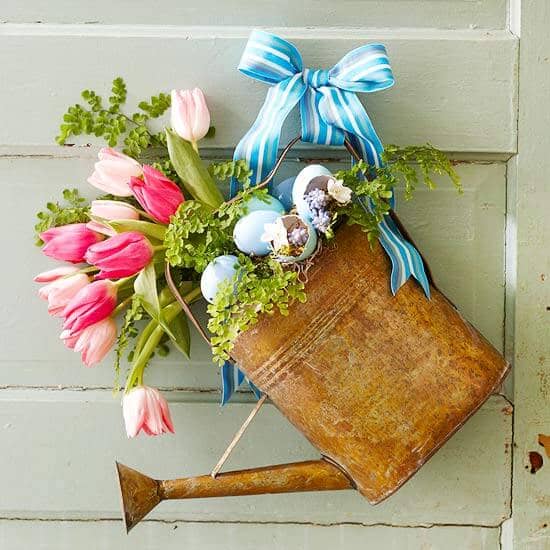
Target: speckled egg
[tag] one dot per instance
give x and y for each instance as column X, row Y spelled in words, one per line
column 311, row 177
column 283, row 192
column 249, row 230
column 290, row 221
column 218, row 270
column 253, row 204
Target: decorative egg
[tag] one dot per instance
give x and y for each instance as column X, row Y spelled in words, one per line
column 249, row 230
column 283, row 192
column 254, row 203
column 218, row 270
column 311, row 177
column 292, row 221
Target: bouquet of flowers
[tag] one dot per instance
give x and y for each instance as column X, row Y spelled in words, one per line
column 159, row 205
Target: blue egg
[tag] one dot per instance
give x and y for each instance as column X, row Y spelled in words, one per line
column 311, row 243
column 218, row 270
column 283, row 192
column 254, row 203
column 310, row 177
column 249, row 230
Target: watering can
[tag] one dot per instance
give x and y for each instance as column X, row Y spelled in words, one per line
column 376, row 382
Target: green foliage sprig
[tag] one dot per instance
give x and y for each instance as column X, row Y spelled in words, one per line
column 128, row 331
column 402, row 166
column 260, row 287
column 404, row 163
column 74, row 210
column 112, row 124
column 197, row 234
column 195, row 237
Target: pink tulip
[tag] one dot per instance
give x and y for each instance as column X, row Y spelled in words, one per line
column 91, row 304
column 145, row 409
column 60, row 292
column 69, row 242
column 94, row 342
column 189, row 114
column 110, row 210
column 113, row 172
column 56, row 273
column 120, row 256
column 159, row 196
column 69, row 339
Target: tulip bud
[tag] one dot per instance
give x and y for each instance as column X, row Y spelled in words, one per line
column 94, row 342
column 90, row 305
column 113, row 172
column 123, row 255
column 189, row 114
column 56, row 273
column 60, row 292
column 145, row 409
column 159, row 196
column 69, row 242
column 110, row 210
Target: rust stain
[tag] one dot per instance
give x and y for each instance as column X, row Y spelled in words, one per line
column 544, row 382
column 535, row 460
column 544, row 441
column 507, row 410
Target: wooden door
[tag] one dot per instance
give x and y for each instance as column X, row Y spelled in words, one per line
column 456, row 65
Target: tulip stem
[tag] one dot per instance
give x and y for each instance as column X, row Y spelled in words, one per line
column 122, row 305
column 150, row 338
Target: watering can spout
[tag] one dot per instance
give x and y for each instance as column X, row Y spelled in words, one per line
column 140, row 494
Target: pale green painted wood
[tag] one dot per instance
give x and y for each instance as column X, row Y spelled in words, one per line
column 106, row 535
column 531, row 290
column 455, row 89
column 284, row 13
column 461, row 236
column 62, row 447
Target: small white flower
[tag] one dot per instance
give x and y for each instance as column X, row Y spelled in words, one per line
column 276, row 234
column 338, row 191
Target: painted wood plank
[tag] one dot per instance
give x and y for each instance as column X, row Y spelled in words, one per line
column 105, row 535
column 461, row 236
column 285, row 13
column 455, row 89
column 62, row 447
column 531, row 288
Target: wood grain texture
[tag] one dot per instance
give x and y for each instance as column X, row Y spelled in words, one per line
column 285, row 13
column 106, row 535
column 530, row 292
column 454, row 89
column 376, row 382
column 67, row 442
column 462, row 237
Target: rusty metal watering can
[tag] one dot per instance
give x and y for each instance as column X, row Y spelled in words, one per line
column 376, row 382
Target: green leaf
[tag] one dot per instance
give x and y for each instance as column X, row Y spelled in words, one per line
column 147, row 228
column 145, row 286
column 179, row 333
column 190, row 168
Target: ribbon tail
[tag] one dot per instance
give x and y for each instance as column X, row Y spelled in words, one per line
column 232, row 379
column 260, row 144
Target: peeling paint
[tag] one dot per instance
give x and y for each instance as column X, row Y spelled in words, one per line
column 544, row 441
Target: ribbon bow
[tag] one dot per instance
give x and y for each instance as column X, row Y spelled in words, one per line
column 329, row 108
column 329, row 112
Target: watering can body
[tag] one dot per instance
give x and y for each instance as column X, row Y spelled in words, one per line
column 376, row 382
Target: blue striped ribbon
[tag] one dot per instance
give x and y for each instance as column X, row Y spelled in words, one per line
column 232, row 378
column 330, row 111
